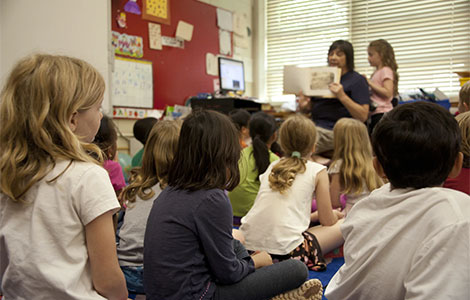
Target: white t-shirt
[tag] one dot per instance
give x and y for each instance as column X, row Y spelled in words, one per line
column 352, row 198
column 43, row 253
column 406, row 244
column 276, row 221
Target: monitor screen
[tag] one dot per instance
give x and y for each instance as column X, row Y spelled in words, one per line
column 231, row 75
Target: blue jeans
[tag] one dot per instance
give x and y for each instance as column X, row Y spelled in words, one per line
column 265, row 282
column 134, row 279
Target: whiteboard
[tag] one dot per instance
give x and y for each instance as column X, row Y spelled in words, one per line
column 132, row 83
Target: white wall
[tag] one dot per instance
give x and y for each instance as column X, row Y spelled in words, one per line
column 79, row 28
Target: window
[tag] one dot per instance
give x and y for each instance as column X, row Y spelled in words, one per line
column 431, row 38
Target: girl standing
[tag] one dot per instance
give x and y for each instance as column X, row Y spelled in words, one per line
column 56, row 202
column 139, row 196
column 280, row 217
column 253, row 162
column 189, row 250
column 384, row 81
column 351, row 170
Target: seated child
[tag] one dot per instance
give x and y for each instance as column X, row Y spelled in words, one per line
column 189, row 249
column 462, row 181
column 141, row 130
column 410, row 238
column 464, row 97
column 279, row 220
column 150, row 180
column 351, row 170
column 106, row 139
column 241, row 118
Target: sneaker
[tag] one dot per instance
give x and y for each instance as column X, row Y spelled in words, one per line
column 310, row 290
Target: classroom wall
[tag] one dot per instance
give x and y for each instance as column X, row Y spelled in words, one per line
column 69, row 27
column 181, row 73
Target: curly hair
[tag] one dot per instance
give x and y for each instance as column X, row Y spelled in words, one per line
column 387, row 55
column 464, row 123
column 297, row 134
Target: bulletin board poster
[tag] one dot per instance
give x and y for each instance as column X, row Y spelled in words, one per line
column 132, row 84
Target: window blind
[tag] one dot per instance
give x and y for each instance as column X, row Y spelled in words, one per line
column 431, row 38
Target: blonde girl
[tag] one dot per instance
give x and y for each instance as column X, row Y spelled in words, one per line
column 384, row 81
column 151, row 179
column 56, row 202
column 351, row 170
column 279, row 219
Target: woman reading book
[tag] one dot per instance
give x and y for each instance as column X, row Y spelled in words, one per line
column 351, row 97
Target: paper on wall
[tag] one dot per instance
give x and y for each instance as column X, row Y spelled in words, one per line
column 172, row 42
column 224, row 19
column 225, row 43
column 184, row 31
column 239, row 24
column 155, row 36
column 240, row 41
column 211, row 64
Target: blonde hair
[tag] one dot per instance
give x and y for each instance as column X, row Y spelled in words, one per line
column 385, row 50
column 464, row 94
column 159, row 151
column 464, row 123
column 352, row 147
column 297, row 133
column 36, row 104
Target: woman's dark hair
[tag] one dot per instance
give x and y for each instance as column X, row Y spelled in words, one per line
column 347, row 48
column 417, row 144
column 207, row 154
column 142, row 128
column 106, row 138
column 240, row 117
column 262, row 128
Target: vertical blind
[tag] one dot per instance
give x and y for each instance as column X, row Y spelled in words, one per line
column 431, row 38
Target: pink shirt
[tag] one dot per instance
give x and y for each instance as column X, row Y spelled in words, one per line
column 115, row 174
column 383, row 104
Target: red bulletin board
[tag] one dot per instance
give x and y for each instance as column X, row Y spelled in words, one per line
column 177, row 73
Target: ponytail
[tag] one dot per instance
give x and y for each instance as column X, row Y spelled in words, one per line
column 283, row 174
column 262, row 128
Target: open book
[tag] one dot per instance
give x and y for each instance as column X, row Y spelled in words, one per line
column 312, row 81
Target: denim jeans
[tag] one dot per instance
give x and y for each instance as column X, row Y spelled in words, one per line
column 134, row 279
column 265, row 282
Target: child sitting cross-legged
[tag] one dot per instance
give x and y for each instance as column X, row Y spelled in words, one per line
column 279, row 220
column 410, row 238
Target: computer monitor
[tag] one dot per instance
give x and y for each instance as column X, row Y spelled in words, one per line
column 231, row 75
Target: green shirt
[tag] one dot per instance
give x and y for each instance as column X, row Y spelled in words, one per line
column 137, row 159
column 243, row 196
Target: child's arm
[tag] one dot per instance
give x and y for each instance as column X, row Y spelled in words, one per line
column 322, row 191
column 335, row 190
column 262, row 259
column 385, row 91
column 106, row 274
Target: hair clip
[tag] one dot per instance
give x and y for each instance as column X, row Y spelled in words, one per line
column 295, row 154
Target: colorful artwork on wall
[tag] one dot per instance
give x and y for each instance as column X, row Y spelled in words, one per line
column 156, row 11
column 128, row 45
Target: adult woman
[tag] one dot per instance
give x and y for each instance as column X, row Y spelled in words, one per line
column 351, row 96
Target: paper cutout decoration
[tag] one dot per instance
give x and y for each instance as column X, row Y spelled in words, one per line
column 155, row 36
column 184, row 31
column 121, row 20
column 129, row 45
column 224, row 19
column 225, row 43
column 211, row 64
column 156, row 11
column 132, row 7
column 172, row 42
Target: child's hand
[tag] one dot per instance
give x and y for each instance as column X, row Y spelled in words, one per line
column 338, row 213
column 261, row 259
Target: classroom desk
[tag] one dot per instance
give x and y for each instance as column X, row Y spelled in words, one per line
column 225, row 104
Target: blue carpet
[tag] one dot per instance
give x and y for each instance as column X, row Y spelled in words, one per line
column 331, row 270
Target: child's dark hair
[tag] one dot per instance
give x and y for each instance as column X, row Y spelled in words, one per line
column 240, row 117
column 347, row 48
column 207, row 154
column 417, row 144
column 262, row 128
column 106, row 138
column 142, row 128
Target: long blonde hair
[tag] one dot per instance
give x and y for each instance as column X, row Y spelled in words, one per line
column 352, row 147
column 36, row 104
column 297, row 134
column 385, row 50
column 159, row 151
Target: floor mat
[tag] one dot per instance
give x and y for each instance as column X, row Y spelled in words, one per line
column 331, row 269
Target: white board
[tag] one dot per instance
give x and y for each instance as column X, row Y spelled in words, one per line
column 132, row 83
